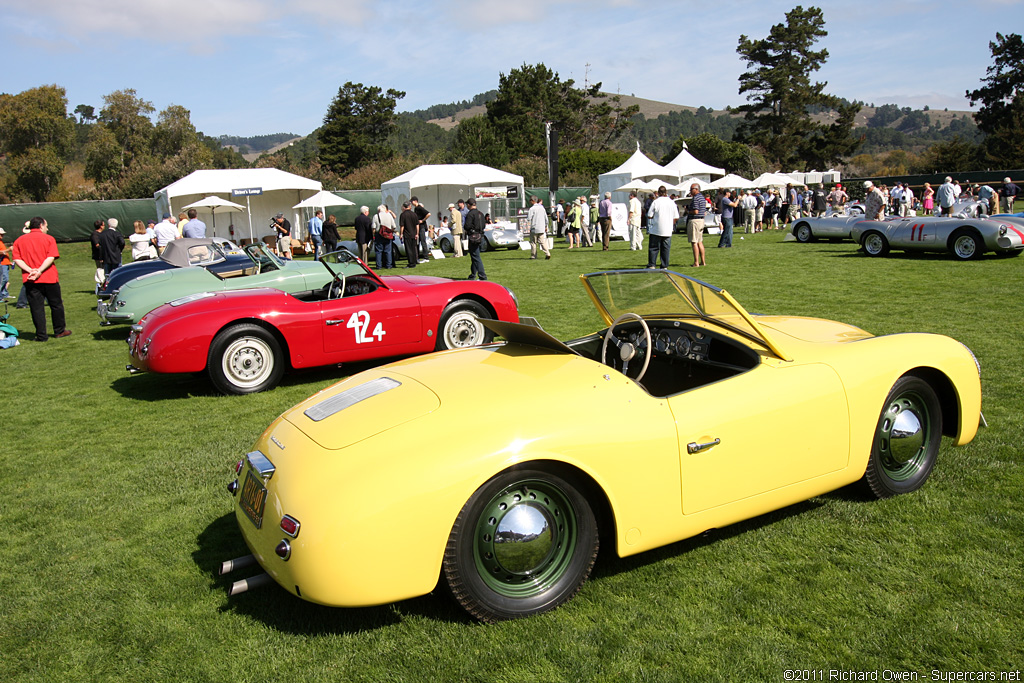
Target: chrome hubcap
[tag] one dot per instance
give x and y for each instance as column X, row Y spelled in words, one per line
column 522, row 539
column 903, row 438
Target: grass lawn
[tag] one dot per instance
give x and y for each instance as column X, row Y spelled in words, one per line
column 113, row 496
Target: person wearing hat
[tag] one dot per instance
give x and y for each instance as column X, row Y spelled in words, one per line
column 837, row 198
column 165, row 232
column 35, row 253
column 573, row 221
column 874, row 202
column 1009, row 193
column 5, row 266
column 456, row 228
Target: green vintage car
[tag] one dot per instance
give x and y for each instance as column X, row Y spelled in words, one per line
column 141, row 295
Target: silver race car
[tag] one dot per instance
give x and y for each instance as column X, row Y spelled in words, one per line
column 964, row 237
column 829, row 227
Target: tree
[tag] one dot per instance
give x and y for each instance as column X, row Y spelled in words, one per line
column 126, row 116
column 357, row 127
column 37, row 136
column 532, row 95
column 86, row 113
column 1001, row 115
column 780, row 94
column 478, row 142
column 173, row 132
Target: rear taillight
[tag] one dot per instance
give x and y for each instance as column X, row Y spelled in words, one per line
column 290, row 525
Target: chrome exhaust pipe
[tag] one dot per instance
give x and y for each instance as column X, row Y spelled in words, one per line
column 228, row 566
column 132, row 370
column 243, row 585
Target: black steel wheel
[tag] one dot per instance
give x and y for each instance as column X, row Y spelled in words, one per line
column 245, row 359
column 460, row 328
column 875, row 244
column 906, row 439
column 446, row 245
column 523, row 544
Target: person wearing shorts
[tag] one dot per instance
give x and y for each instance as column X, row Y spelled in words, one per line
column 695, row 225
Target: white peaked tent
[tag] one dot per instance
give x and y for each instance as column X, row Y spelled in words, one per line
column 732, row 182
column 438, row 185
column 685, row 164
column 636, row 166
column 269, row 191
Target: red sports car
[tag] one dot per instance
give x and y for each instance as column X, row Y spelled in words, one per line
column 245, row 339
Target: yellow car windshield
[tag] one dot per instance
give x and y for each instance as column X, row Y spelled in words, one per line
column 665, row 294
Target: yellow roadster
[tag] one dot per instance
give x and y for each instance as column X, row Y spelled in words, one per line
column 686, row 413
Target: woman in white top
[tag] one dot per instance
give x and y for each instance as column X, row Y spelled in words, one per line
column 142, row 245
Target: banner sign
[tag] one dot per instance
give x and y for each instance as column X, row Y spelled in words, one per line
column 247, row 192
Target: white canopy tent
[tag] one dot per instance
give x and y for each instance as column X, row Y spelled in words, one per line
column 685, row 164
column 635, row 167
column 438, row 185
column 684, row 185
column 732, row 182
column 773, row 180
column 265, row 193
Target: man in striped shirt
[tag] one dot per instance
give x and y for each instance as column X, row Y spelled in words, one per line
column 695, row 224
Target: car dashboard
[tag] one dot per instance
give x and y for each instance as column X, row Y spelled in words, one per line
column 684, row 356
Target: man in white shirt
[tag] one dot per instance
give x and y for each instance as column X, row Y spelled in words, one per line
column 663, row 215
column 538, row 220
column 636, row 236
column 749, row 206
column 165, row 232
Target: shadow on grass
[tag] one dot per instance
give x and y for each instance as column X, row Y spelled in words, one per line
column 279, row 609
column 118, row 332
column 157, row 387
column 610, row 565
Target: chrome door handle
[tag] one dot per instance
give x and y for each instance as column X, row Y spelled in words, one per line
column 694, row 447
column 335, row 322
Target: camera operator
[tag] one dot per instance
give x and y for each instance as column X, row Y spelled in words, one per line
column 283, row 229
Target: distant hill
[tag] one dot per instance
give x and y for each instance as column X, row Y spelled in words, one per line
column 888, row 126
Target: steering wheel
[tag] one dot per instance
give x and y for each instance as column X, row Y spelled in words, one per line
column 627, row 351
column 336, row 290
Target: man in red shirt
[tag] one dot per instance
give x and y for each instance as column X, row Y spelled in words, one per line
column 35, row 253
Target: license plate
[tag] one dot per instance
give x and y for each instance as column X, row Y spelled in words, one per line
column 253, row 498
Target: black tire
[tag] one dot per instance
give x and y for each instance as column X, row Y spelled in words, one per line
column 459, row 327
column 446, row 246
column 802, row 232
column 523, row 544
column 965, row 245
column 875, row 244
column 245, row 359
column 906, row 439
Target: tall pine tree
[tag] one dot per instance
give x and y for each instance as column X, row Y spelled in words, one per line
column 781, row 96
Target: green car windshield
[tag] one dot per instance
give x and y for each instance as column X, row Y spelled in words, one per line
column 665, row 294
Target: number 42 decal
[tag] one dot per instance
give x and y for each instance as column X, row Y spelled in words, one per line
column 360, row 322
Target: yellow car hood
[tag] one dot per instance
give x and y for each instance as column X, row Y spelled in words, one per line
column 811, row 329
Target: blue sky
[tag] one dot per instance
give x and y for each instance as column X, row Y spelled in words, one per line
column 252, row 67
